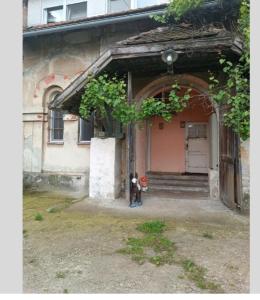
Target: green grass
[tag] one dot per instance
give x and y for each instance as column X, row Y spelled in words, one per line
column 53, row 210
column 153, row 227
column 155, row 248
column 207, row 235
column 152, row 247
column 197, row 274
column 38, row 217
column 25, row 233
column 60, row 275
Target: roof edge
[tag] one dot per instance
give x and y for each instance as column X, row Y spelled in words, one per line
column 94, row 21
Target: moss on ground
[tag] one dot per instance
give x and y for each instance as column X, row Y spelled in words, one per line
column 57, row 217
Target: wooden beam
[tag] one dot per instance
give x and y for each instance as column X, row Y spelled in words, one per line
column 129, row 140
column 214, row 44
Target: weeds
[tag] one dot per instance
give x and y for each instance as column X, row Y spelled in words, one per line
column 197, row 274
column 25, row 233
column 52, row 210
column 155, row 248
column 59, row 207
column 154, row 227
column 60, row 275
column 38, row 217
column 207, row 235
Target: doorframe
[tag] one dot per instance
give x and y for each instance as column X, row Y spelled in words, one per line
column 188, row 80
column 186, row 141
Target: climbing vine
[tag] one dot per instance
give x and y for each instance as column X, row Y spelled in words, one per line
column 107, row 97
column 177, row 8
column 235, row 92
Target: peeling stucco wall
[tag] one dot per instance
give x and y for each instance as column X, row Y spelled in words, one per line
column 54, row 61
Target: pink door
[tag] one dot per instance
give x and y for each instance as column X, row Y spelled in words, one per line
column 167, row 146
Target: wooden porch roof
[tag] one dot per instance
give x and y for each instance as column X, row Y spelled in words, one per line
column 197, row 48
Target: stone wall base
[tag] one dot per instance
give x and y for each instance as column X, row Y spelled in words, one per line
column 73, row 184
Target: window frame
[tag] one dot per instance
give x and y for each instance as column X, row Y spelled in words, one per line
column 51, row 129
column 82, row 142
column 51, row 96
column 113, row 12
column 53, row 8
column 137, row 6
column 67, row 10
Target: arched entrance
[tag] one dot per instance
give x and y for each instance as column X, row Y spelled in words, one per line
column 187, row 145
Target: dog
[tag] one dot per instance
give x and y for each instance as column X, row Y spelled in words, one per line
column 135, row 191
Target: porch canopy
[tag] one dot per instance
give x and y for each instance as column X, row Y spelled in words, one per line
column 198, row 50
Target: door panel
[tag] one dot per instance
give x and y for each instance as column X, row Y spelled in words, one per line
column 229, row 169
column 197, row 157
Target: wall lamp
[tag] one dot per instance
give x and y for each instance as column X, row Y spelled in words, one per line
column 169, row 56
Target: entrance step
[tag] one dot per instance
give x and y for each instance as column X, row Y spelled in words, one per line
column 178, row 183
column 177, row 176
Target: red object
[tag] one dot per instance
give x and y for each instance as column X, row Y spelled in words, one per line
column 144, row 181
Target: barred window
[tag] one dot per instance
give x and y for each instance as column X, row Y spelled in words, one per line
column 86, row 130
column 56, row 126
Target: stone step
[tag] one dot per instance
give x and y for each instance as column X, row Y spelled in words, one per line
column 179, row 188
column 174, row 176
column 175, row 194
column 174, row 182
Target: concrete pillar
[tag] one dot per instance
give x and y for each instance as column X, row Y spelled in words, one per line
column 105, row 168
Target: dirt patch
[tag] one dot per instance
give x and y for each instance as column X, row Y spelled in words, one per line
column 73, row 249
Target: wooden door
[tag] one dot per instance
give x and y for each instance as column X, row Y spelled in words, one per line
column 229, row 168
column 197, row 148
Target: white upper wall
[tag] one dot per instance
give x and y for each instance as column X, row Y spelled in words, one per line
column 37, row 8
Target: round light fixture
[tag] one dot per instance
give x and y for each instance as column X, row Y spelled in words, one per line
column 169, row 56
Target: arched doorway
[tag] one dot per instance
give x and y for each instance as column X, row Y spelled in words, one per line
column 187, row 145
column 181, row 145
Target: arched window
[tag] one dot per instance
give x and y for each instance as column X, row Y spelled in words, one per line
column 56, row 123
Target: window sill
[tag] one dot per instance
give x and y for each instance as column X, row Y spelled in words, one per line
column 55, row 143
column 84, row 143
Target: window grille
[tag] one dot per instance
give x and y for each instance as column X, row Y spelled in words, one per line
column 56, row 126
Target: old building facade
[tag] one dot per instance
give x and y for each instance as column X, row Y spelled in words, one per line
column 64, row 41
